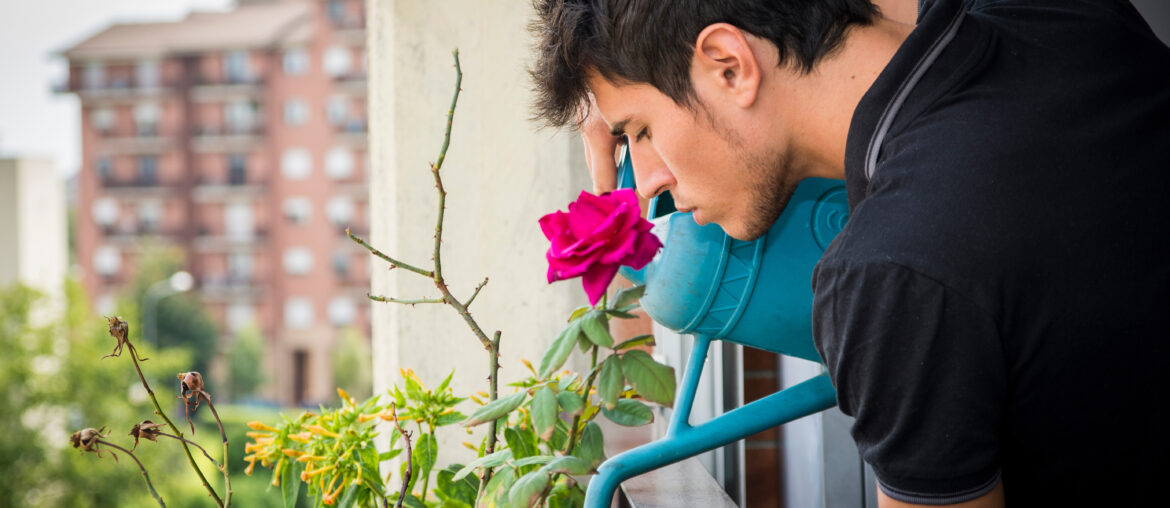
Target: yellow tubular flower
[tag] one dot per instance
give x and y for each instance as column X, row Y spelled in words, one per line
column 302, row 438
column 292, row 453
column 321, row 431
column 260, row 426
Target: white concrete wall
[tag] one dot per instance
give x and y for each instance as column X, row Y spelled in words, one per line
column 33, row 247
column 501, row 175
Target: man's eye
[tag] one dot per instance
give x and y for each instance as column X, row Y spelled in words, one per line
column 641, row 134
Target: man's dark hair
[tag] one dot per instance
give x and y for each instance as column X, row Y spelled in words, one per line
column 652, row 41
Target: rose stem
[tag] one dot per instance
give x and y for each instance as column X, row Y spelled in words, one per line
column 142, row 468
column 163, row 414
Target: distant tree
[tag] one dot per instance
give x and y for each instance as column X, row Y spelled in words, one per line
column 54, row 381
column 352, row 367
column 244, row 358
column 182, row 320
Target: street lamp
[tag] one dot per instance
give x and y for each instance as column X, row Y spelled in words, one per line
column 180, row 282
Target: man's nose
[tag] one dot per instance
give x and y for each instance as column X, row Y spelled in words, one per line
column 651, row 176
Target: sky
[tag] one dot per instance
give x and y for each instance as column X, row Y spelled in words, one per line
column 35, row 122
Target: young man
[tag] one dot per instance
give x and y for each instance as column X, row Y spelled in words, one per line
column 996, row 313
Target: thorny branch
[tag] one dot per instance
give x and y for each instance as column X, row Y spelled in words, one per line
column 142, row 468
column 492, row 345
column 405, row 439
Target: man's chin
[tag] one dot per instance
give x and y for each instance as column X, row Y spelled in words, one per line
column 738, row 232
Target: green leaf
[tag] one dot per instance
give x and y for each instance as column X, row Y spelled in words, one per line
column 629, row 413
column 650, row 379
column 521, row 442
column 593, row 324
column 462, row 490
column 591, row 447
column 569, row 465
column 496, row 409
column 559, row 351
column 620, row 314
column 290, row 484
column 489, row 460
column 578, row 312
column 449, row 418
column 426, row 450
column 610, row 382
column 527, row 490
column 389, row 454
column 496, row 491
column 627, row 296
column 414, row 390
column 570, row 403
column 583, row 343
column 443, row 385
column 564, row 495
column 560, row 435
column 544, row 412
column 535, row 459
column 350, row 496
column 641, row 340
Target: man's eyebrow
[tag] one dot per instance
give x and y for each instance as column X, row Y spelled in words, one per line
column 619, row 128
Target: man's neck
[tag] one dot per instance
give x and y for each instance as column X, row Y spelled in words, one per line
column 823, row 101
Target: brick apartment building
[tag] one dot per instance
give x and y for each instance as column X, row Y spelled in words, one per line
column 240, row 138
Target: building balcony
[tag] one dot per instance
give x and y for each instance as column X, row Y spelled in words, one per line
column 233, row 287
column 218, row 241
column 137, row 187
column 350, row 30
column 217, row 139
column 139, row 234
column 214, row 190
column 116, row 90
column 355, row 83
column 352, row 133
column 132, row 141
column 215, row 90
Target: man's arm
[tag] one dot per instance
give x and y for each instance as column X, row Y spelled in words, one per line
column 993, row 499
column 600, row 150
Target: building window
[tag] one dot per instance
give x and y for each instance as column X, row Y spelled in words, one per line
column 102, row 119
column 296, row 61
column 339, row 163
column 237, row 221
column 295, row 164
column 239, row 266
column 337, row 110
column 147, row 169
column 149, row 216
column 298, row 209
column 105, row 169
column 341, row 264
column 95, row 75
column 237, row 169
column 298, row 260
column 298, row 313
column 339, row 210
column 336, row 9
column 240, row 116
column 237, row 66
column 146, row 119
column 107, row 260
column 105, row 212
column 342, row 311
column 239, row 316
column 296, row 112
column 146, row 74
column 337, row 61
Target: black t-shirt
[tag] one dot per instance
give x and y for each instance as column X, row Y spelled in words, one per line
column 998, row 306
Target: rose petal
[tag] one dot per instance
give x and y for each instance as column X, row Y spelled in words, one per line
column 596, row 280
column 646, row 247
column 586, row 214
column 621, row 248
column 554, row 224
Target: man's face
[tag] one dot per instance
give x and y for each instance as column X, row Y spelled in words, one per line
column 708, row 159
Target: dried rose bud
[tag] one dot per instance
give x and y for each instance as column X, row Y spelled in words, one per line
column 191, row 382
column 146, row 430
column 119, row 330
column 87, row 439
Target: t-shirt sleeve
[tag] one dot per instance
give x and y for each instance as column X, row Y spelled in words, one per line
column 921, row 369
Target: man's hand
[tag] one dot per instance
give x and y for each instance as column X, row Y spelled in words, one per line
column 600, row 150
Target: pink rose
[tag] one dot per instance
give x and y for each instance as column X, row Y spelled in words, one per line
column 598, row 235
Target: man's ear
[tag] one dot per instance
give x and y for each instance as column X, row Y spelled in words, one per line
column 724, row 59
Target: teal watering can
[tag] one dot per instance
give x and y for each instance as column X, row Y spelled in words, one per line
column 756, row 293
